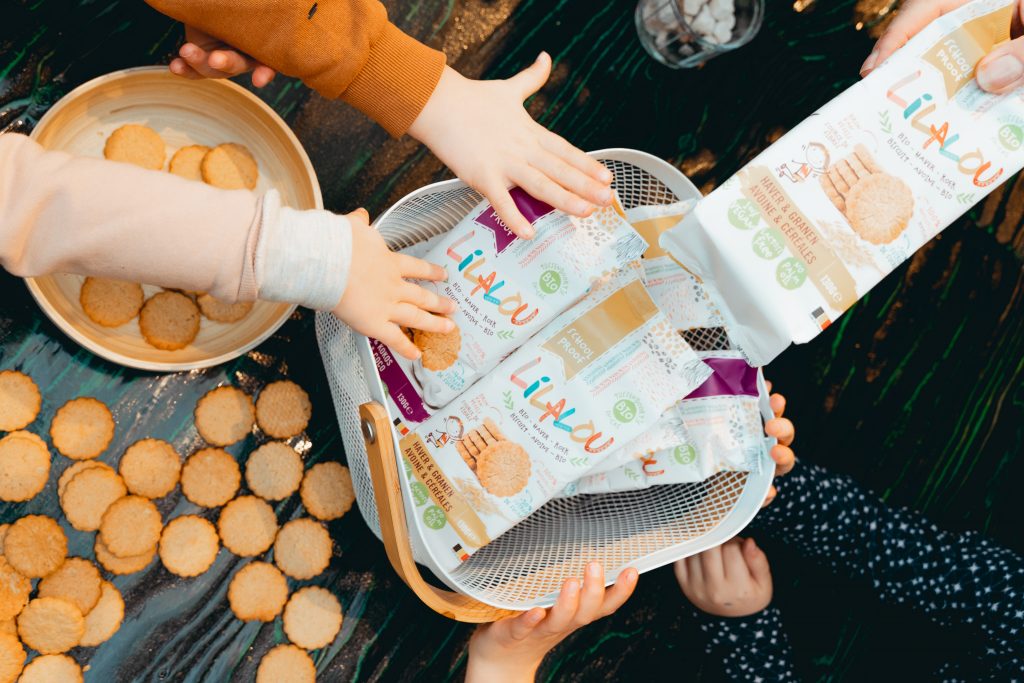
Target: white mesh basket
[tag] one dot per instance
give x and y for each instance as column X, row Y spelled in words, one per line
column 526, row 566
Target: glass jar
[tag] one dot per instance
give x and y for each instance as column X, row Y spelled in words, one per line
column 686, row 33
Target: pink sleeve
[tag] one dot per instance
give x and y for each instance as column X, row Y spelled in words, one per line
column 60, row 213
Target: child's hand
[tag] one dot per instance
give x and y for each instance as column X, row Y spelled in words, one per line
column 481, row 130
column 203, row 56
column 511, row 649
column 783, row 430
column 377, row 299
column 732, row 580
column 1000, row 71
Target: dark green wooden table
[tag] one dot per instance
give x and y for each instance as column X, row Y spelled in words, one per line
column 917, row 391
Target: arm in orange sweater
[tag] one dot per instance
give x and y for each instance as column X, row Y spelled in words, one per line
column 343, row 49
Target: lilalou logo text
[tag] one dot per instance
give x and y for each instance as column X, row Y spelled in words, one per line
column 537, row 387
column 488, row 285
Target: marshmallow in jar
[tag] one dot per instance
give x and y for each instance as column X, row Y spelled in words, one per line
column 683, row 33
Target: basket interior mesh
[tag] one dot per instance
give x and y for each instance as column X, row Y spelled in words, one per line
column 530, row 561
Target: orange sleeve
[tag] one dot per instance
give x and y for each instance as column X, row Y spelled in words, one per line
column 343, row 49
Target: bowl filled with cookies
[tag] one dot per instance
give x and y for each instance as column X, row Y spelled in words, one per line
column 210, row 131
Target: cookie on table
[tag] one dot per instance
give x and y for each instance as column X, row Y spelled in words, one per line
column 24, row 466
column 286, row 664
column 188, row 545
column 82, row 428
column 230, row 166
column 130, row 526
column 51, row 625
column 503, row 468
column 283, row 409
column 150, row 468
column 122, row 565
column 312, row 617
column 136, row 144
column 327, row 491
column 187, row 160
column 14, row 590
column 879, row 208
column 210, row 477
column 247, row 526
column 224, row 415
column 105, row 618
column 77, row 581
column 12, row 657
column 35, row 546
column 52, row 669
column 89, row 494
column 78, row 466
column 439, row 350
column 274, row 471
column 169, row 321
column 222, row 311
column 258, row 592
column 302, row 548
column 20, row 400
column 110, row 303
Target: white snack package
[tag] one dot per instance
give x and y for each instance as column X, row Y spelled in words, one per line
column 598, row 375
column 812, row 223
column 507, row 288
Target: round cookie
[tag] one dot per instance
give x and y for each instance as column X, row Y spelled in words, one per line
column 150, row 468
column 187, row 160
column 169, row 321
column 439, row 350
column 52, row 669
column 283, row 409
column 24, row 466
column 503, row 468
column 222, row 311
column 88, row 496
column 82, row 428
column 286, row 664
column 274, row 471
column 105, row 618
column 258, row 592
column 50, row 625
column 224, row 415
column 110, row 303
column 879, row 207
column 210, row 477
column 188, row 545
column 12, row 657
column 230, row 166
column 247, row 526
column 35, row 546
column 122, row 565
column 327, row 491
column 14, row 590
column 312, row 617
column 71, row 472
column 302, row 548
column 77, row 581
column 136, row 144
column 130, row 526
column 20, row 400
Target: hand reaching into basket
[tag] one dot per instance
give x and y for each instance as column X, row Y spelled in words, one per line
column 782, row 429
column 1000, row 71
column 379, row 301
column 203, row 56
column 511, row 649
column 730, row 580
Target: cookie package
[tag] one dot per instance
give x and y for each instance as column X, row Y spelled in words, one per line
column 816, row 220
column 590, row 381
column 506, row 290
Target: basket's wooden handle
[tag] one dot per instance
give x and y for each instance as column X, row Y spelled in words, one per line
column 387, row 492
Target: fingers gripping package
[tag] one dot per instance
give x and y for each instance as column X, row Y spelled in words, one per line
column 591, row 380
column 813, row 222
column 506, row 289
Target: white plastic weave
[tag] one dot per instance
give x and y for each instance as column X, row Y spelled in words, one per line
column 527, row 565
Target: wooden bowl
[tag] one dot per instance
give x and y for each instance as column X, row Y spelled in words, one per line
column 183, row 112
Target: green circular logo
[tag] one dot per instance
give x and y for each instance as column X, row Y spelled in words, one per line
column 625, row 410
column 419, row 493
column 791, row 273
column 744, row 215
column 768, row 243
column 434, row 517
column 550, row 281
column 685, row 454
column 1011, row 137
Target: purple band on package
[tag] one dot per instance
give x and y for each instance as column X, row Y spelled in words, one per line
column 729, row 377
column 531, row 208
column 401, row 389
